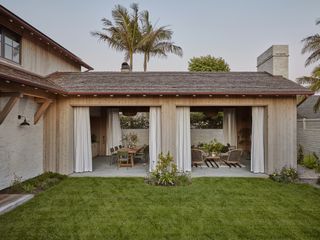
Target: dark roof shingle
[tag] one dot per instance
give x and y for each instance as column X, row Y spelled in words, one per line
column 233, row 83
column 305, row 109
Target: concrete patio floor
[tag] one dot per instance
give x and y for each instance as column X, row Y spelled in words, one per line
column 102, row 168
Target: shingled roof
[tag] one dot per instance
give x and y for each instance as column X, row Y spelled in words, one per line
column 156, row 83
column 183, row 83
column 305, row 109
column 19, row 75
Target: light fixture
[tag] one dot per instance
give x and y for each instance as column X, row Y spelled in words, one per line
column 24, row 123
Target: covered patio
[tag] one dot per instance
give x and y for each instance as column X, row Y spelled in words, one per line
column 101, row 169
column 108, row 135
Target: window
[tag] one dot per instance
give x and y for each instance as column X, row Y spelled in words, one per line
column 10, row 45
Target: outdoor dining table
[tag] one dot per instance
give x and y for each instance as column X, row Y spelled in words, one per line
column 131, row 152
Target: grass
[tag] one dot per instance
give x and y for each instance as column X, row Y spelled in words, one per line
column 127, row 208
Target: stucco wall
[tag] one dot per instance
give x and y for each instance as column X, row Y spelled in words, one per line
column 21, row 148
column 197, row 135
column 308, row 135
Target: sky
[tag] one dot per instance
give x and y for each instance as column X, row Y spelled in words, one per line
column 237, row 31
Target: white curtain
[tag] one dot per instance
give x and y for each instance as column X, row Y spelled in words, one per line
column 154, row 136
column 257, row 140
column 82, row 140
column 230, row 126
column 114, row 133
column 183, row 139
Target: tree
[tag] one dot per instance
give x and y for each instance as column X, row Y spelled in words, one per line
column 124, row 34
column 156, row 41
column 208, row 64
column 312, row 45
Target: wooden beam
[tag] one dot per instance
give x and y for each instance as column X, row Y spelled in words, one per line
column 41, row 110
column 8, row 107
column 10, row 94
column 26, row 90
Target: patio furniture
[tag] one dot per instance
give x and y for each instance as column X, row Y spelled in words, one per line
column 112, row 156
column 123, row 159
column 141, row 154
column 234, row 157
column 131, row 153
column 213, row 161
column 197, row 157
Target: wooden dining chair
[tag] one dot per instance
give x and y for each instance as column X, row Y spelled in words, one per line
column 112, row 156
column 123, row 159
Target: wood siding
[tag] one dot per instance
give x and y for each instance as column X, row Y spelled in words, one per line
column 38, row 59
column 280, row 127
column 309, row 135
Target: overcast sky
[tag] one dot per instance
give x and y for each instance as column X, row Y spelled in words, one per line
column 236, row 30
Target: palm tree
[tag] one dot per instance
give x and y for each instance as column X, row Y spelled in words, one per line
column 124, row 34
column 312, row 45
column 313, row 83
column 156, row 41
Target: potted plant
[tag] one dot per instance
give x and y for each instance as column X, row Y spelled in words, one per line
column 214, row 148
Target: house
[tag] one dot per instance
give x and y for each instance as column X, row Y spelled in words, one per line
column 308, row 126
column 41, row 84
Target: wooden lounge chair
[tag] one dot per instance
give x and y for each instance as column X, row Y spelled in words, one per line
column 234, row 157
column 197, row 157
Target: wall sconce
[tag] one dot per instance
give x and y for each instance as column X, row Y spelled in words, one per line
column 24, row 123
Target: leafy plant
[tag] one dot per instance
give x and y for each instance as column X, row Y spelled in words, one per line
column 214, row 147
column 130, row 139
column 28, row 187
column 199, row 120
column 310, row 161
column 286, row 175
column 135, row 122
column 300, row 154
column 166, row 173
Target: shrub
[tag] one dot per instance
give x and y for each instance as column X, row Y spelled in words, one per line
column 286, row 175
column 166, row 173
column 36, row 184
column 310, row 161
column 300, row 154
column 28, row 187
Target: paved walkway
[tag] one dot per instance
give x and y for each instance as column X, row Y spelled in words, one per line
column 101, row 168
column 11, row 201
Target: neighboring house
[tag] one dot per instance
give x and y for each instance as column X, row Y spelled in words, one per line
column 41, row 80
column 308, row 127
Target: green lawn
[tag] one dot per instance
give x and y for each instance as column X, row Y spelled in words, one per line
column 127, row 208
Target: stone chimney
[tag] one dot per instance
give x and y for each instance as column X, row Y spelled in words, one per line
column 274, row 60
column 125, row 67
